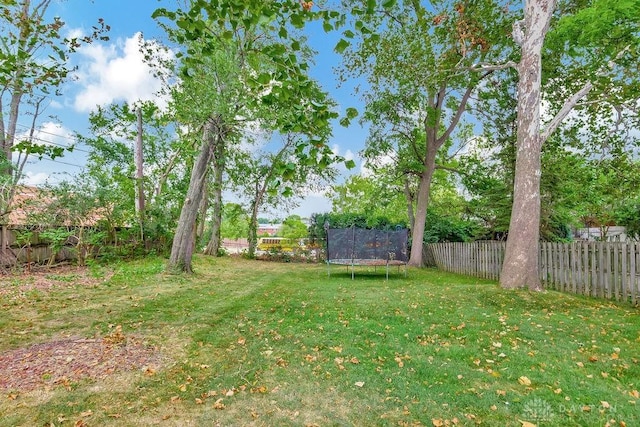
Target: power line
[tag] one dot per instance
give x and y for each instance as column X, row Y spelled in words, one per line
column 47, row 133
column 74, row 141
column 57, row 161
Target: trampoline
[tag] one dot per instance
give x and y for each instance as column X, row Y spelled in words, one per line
column 364, row 247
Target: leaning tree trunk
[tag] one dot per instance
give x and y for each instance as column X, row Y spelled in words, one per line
column 213, row 248
column 422, row 203
column 202, row 213
column 184, row 239
column 520, row 267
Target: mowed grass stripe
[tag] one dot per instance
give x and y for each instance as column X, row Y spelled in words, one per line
column 255, row 343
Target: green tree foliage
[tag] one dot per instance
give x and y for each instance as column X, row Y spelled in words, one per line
column 293, row 228
column 235, row 221
column 378, row 196
column 110, row 168
column 34, row 60
column 417, row 62
column 259, row 41
column 576, row 57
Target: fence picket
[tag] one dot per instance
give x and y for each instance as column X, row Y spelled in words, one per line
column 597, row 269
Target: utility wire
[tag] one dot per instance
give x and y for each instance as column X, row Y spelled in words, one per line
column 35, row 138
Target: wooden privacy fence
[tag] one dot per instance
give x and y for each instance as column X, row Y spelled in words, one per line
column 599, row 269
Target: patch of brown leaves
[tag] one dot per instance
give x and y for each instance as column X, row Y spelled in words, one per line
column 65, row 361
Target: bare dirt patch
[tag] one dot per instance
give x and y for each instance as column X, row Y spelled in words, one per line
column 43, row 278
column 66, row 361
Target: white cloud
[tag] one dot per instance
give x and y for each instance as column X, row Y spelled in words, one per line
column 366, row 170
column 348, row 155
column 49, row 133
column 117, row 72
column 35, row 179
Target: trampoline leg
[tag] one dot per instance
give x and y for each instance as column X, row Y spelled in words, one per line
column 352, row 271
column 387, row 272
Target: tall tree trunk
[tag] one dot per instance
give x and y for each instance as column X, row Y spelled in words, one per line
column 520, row 267
column 202, row 213
column 184, row 239
column 139, row 161
column 409, row 196
column 253, row 231
column 213, row 248
column 422, row 203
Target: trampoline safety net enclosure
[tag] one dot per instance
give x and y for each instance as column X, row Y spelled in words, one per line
column 360, row 246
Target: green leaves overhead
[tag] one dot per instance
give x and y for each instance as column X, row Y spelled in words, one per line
column 351, row 114
column 341, row 46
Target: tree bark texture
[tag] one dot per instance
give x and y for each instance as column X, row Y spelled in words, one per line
column 422, row 203
column 213, row 248
column 202, row 213
column 253, row 230
column 184, row 239
column 409, row 197
column 520, row 267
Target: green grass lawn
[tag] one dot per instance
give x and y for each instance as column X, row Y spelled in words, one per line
column 255, row 343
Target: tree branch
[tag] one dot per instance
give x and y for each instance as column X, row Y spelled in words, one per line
column 450, row 169
column 565, row 110
column 575, row 98
column 491, row 67
column 456, row 118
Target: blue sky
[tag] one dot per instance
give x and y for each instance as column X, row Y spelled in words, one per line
column 113, row 72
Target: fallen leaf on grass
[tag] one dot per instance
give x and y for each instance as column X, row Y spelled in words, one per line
column 399, row 361
column 359, row 384
column 524, row 381
column 634, row 393
column 527, row 424
column 218, row 404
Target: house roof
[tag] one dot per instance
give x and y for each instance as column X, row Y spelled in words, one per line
column 30, row 202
